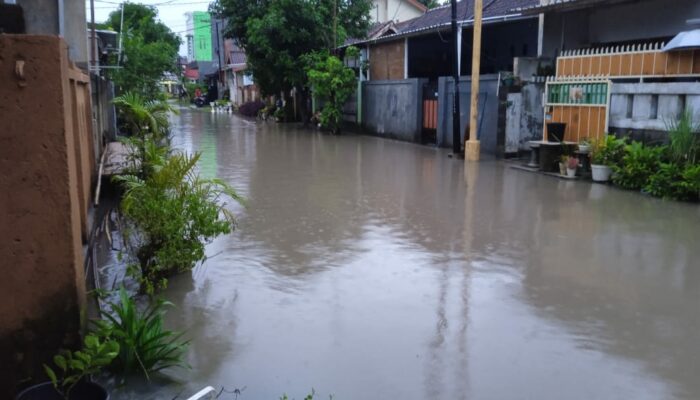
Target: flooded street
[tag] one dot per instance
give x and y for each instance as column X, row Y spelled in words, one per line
column 373, row 269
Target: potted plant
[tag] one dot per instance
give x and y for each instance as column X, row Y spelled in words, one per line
column 584, row 146
column 71, row 382
column 571, row 165
column 606, row 153
column 562, row 164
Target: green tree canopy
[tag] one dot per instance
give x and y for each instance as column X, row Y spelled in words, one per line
column 276, row 34
column 150, row 49
column 333, row 83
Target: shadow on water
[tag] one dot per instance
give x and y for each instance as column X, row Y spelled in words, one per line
column 370, row 268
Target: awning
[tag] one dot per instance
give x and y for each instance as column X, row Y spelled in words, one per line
column 687, row 40
column 547, row 6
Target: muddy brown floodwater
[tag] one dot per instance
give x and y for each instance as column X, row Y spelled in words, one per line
column 375, row 269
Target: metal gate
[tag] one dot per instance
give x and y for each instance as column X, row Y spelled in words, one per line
column 581, row 103
column 430, row 113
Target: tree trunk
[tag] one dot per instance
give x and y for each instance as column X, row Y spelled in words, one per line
column 304, row 109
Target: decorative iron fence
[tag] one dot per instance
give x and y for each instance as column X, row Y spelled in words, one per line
column 636, row 61
column 579, row 102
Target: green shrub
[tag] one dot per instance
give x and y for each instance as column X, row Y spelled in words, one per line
column 144, row 345
column 608, row 151
column 144, row 155
column 675, row 182
column 685, row 140
column 173, row 213
column 72, row 367
column 142, row 116
column 333, row 83
column 638, row 164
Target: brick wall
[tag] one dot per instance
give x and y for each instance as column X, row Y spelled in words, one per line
column 386, row 61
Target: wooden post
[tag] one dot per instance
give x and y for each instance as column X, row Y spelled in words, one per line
column 473, row 146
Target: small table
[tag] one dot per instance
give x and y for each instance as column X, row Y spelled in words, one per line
column 534, row 154
column 551, row 152
column 584, row 163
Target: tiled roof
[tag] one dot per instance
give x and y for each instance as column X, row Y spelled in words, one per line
column 551, row 5
column 374, row 31
column 442, row 16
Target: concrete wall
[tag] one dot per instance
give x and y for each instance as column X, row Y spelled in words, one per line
column 386, row 61
column 488, row 111
column 42, row 18
column 393, row 108
column 45, row 160
column 524, row 117
column 646, row 109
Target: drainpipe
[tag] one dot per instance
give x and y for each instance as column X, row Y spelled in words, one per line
column 61, row 18
column 456, row 137
column 93, row 42
column 121, row 37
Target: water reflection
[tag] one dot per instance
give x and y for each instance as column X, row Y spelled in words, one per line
column 369, row 268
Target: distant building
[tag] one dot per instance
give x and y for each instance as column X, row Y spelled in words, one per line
column 396, row 10
column 199, row 38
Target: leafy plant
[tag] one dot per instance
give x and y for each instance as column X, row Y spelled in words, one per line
column 143, row 116
column 144, row 345
column 608, row 151
column 174, row 213
column 74, row 366
column 143, row 155
column 672, row 181
column 685, row 140
column 279, row 113
column 638, row 164
column 572, row 163
column 333, row 83
column 309, row 396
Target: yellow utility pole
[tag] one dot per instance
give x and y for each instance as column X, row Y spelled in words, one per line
column 473, row 146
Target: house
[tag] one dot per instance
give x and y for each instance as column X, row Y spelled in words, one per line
column 396, row 10
column 407, row 90
column 240, row 83
column 619, row 45
column 229, row 60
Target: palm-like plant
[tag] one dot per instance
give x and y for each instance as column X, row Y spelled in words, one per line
column 144, row 116
column 684, row 139
column 175, row 212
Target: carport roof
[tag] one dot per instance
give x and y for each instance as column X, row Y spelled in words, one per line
column 562, row 5
column 440, row 17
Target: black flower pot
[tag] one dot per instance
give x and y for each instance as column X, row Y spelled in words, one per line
column 555, row 131
column 81, row 391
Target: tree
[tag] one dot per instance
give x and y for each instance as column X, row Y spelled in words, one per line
column 150, row 49
column 333, row 83
column 276, row 34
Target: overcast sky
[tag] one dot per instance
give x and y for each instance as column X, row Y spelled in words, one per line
column 170, row 12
